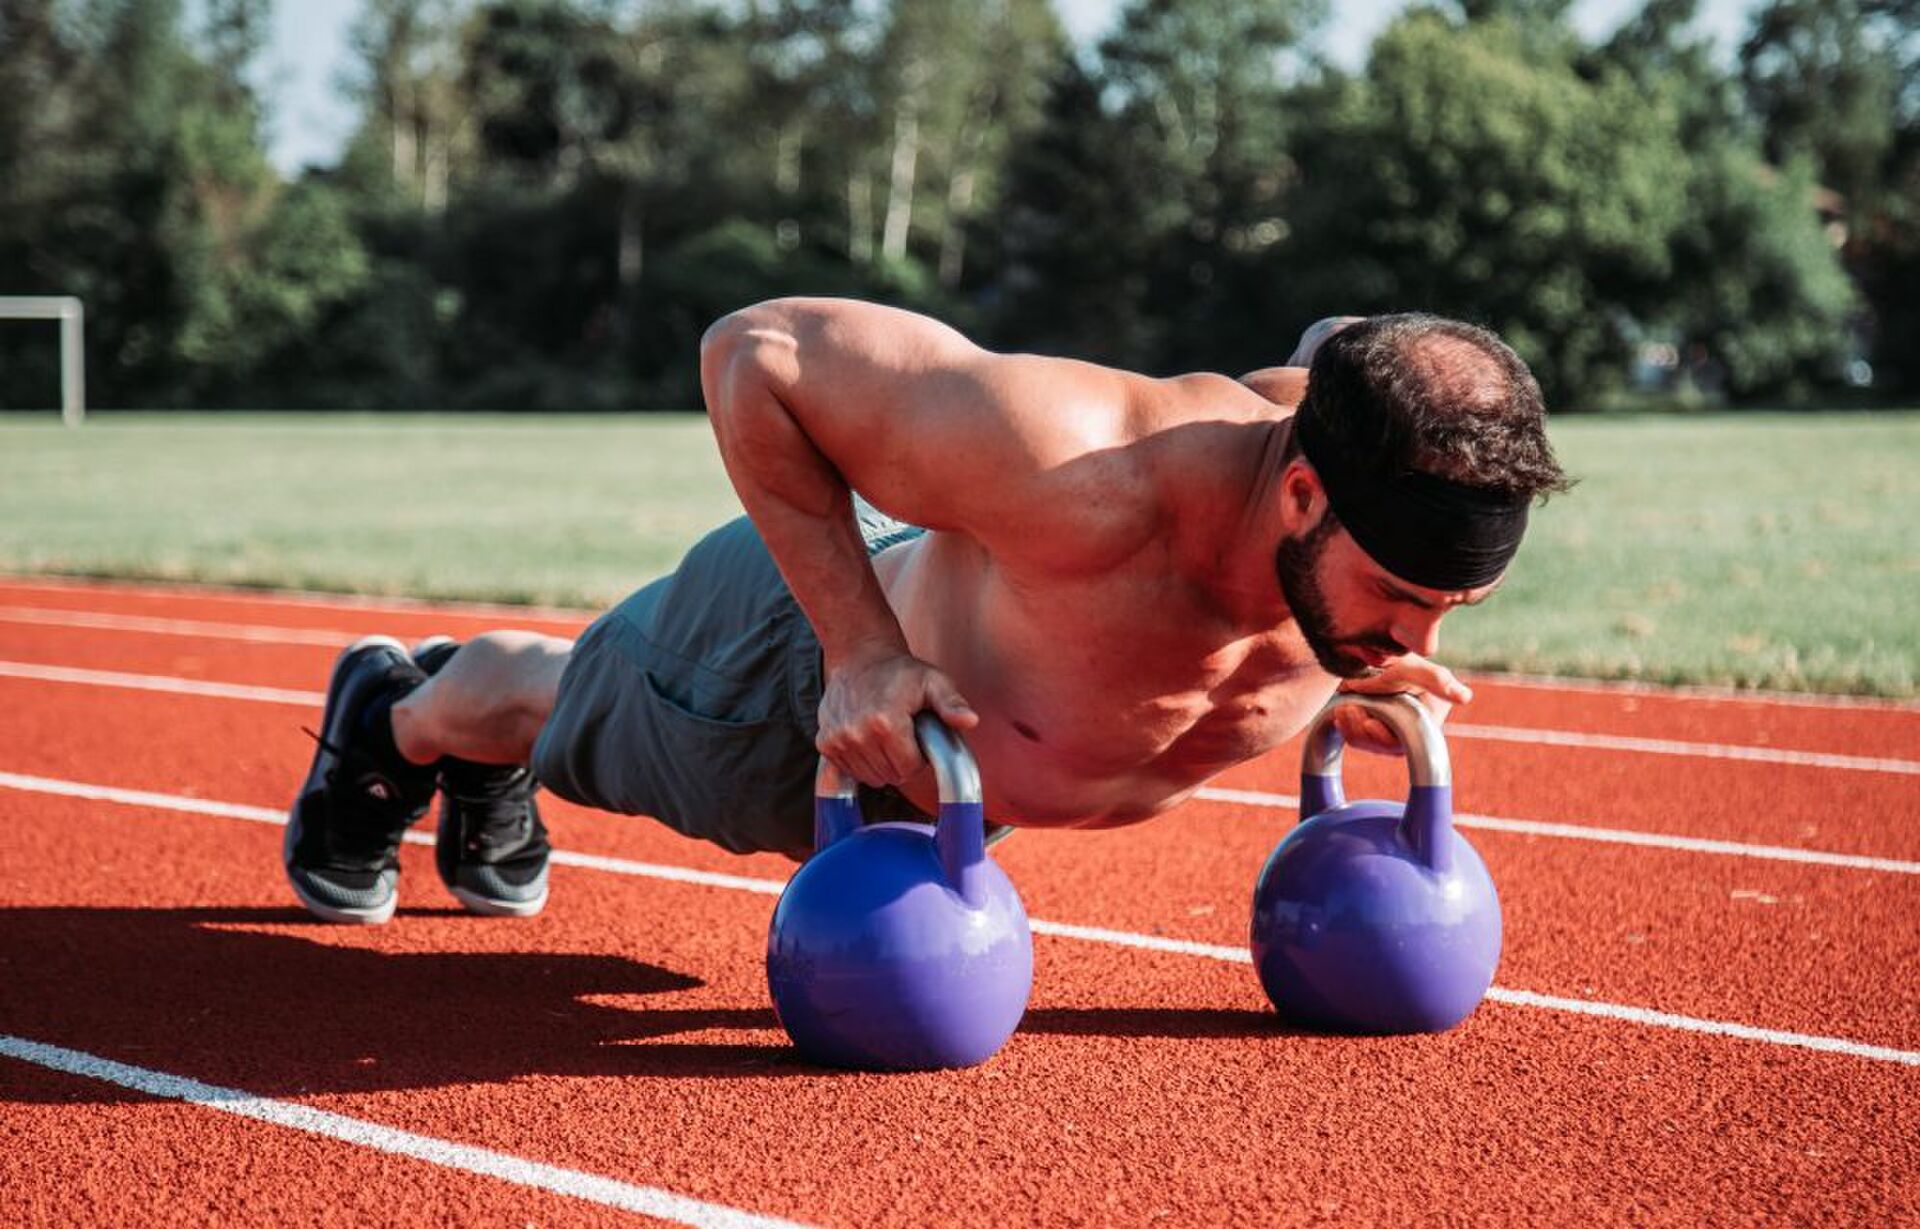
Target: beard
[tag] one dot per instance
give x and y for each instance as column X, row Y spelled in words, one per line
column 1297, row 564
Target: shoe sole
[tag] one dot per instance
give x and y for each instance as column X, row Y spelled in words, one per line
column 336, row 914
column 486, row 906
column 322, row 761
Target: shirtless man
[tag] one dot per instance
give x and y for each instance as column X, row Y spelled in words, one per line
column 1115, row 587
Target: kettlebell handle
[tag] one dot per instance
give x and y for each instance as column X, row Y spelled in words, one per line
column 959, row 832
column 1429, row 814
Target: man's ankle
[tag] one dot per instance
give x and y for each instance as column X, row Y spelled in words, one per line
column 392, row 734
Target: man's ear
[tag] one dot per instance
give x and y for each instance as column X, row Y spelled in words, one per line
column 1280, row 385
column 1303, row 501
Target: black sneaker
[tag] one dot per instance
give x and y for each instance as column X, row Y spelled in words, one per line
column 343, row 837
column 491, row 849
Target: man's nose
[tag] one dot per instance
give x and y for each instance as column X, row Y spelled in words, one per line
column 1419, row 632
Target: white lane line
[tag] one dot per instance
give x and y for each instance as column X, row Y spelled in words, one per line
column 99, row 621
column 1674, row 746
column 1578, row 832
column 158, row 682
column 1514, row 734
column 1692, row 1024
column 1093, row 934
column 270, row 815
column 653, row 870
column 140, row 798
column 1692, row 691
column 305, row 599
column 1244, row 797
column 1613, row 836
column 1150, row 943
column 573, row 1183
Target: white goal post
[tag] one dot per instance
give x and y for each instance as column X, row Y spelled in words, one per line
column 73, row 367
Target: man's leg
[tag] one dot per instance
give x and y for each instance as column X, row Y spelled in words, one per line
column 486, row 704
column 477, row 717
column 396, row 727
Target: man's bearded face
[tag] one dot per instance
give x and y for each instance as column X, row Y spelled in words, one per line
column 1298, row 565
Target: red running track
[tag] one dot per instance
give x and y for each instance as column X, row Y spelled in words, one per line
column 618, row 1052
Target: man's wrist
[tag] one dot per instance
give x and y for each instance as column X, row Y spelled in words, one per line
column 863, row 652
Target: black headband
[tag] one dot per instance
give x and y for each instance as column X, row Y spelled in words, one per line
column 1425, row 530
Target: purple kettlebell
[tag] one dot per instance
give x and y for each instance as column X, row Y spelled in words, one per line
column 901, row 946
column 1372, row 917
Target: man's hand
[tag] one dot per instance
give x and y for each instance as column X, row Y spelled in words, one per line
column 867, row 711
column 1316, row 335
column 1431, row 683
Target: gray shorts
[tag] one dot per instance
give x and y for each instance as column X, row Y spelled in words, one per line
column 696, row 700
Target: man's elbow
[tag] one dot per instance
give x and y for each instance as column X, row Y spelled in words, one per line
column 754, row 342
column 768, row 321
column 723, row 337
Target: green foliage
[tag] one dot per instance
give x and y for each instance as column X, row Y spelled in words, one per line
column 1074, row 280
column 1139, row 212
column 1755, row 283
column 145, row 190
column 547, row 200
column 1837, row 84
column 1823, row 85
column 1466, row 174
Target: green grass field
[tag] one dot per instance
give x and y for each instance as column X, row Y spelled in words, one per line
column 1770, row 550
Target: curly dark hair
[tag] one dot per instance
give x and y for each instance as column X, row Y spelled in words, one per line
column 1414, row 392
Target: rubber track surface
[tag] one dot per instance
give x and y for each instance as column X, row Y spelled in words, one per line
column 626, row 1032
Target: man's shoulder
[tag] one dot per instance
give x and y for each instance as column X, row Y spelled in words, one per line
column 1207, row 396
column 1187, row 447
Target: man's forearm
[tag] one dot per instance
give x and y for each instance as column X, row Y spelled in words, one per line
column 798, row 499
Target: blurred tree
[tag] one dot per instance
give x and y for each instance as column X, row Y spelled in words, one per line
column 950, row 87
column 412, row 127
column 233, row 34
column 101, row 226
column 1756, row 288
column 1657, row 48
column 160, row 208
column 805, row 118
column 1552, row 12
column 1468, row 174
column 1073, row 278
column 547, row 200
column 1138, row 214
column 42, row 69
column 1838, row 82
column 1823, row 76
column 1020, row 43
